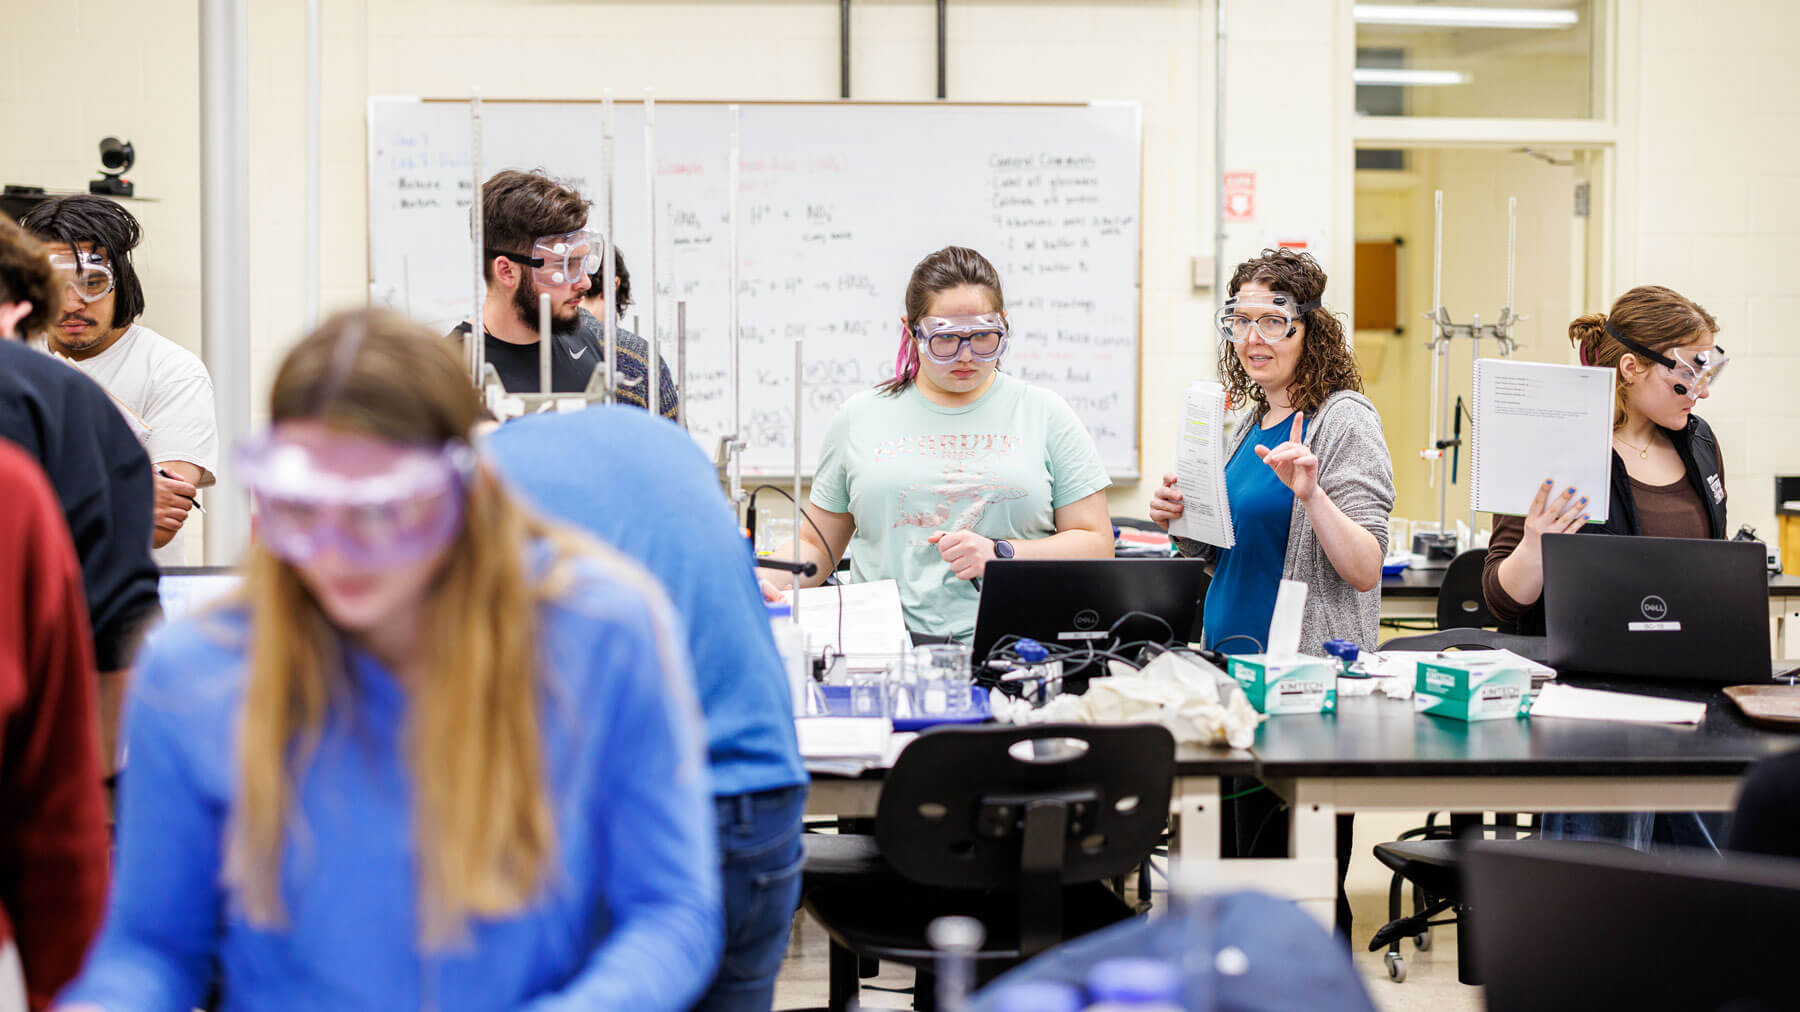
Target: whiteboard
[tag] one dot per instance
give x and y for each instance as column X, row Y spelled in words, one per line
column 837, row 203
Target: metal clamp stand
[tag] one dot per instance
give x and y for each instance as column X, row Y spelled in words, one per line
column 731, row 447
column 1446, row 433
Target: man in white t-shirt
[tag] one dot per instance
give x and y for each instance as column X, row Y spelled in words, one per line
column 161, row 388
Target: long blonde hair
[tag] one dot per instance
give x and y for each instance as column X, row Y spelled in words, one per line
column 483, row 821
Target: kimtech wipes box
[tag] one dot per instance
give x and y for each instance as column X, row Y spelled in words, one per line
column 1472, row 686
column 1277, row 685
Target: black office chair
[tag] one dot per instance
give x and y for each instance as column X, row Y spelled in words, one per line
column 1427, row 856
column 1135, row 524
column 1018, row 827
column 1460, row 602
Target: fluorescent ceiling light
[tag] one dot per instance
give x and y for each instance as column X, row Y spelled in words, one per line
column 1407, row 78
column 1433, row 16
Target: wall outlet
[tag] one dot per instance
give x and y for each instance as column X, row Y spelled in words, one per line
column 1203, row 273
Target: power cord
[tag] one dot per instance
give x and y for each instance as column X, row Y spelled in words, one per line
column 823, row 540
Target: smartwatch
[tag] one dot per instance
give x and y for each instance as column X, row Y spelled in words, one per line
column 1002, row 549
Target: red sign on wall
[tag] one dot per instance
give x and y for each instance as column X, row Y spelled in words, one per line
column 1240, row 196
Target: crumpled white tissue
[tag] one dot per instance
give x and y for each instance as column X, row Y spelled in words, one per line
column 1179, row 691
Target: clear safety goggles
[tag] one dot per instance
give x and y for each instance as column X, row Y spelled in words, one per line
column 561, row 259
column 1271, row 317
column 943, row 337
column 86, row 274
column 1695, row 370
column 376, row 503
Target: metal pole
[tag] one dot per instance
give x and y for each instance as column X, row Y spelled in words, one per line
column 681, row 377
column 609, row 274
column 799, row 390
column 477, row 350
column 942, row 36
column 225, row 249
column 843, row 48
column 655, row 399
column 1219, row 153
column 1474, row 356
column 1437, row 253
column 1512, row 244
column 734, row 454
column 544, row 343
column 314, row 117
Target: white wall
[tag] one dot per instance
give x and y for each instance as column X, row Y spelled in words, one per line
column 1709, row 192
column 1716, row 175
column 1156, row 52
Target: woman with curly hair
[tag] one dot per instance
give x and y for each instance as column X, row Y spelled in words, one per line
column 1308, row 475
column 1310, row 485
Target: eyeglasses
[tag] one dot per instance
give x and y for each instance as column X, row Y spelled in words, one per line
column 1695, row 369
column 1271, row 317
column 944, row 337
column 560, row 259
column 86, row 274
column 374, row 504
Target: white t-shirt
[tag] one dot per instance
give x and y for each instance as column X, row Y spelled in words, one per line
column 166, row 396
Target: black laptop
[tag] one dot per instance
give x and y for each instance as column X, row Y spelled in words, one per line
column 1674, row 608
column 1585, row 926
column 1073, row 602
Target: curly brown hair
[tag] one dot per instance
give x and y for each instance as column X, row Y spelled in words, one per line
column 25, row 276
column 1326, row 364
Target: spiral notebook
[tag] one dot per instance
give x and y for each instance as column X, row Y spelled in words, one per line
column 1200, row 468
column 1533, row 421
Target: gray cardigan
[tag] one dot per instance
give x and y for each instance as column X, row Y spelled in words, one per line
column 1356, row 471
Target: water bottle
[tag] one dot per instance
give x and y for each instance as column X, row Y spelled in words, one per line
column 1135, row 984
column 790, row 643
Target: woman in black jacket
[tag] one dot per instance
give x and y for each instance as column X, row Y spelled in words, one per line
column 1668, row 481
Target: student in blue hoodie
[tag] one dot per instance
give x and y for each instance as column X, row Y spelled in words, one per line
column 646, row 487
column 437, row 754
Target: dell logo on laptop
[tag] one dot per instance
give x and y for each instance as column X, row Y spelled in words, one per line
column 1655, row 608
column 1086, row 619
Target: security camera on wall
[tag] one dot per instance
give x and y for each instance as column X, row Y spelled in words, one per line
column 116, row 159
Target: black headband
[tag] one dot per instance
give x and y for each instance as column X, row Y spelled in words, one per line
column 1654, row 356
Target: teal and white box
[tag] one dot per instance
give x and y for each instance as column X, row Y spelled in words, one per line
column 1297, row 684
column 1469, row 687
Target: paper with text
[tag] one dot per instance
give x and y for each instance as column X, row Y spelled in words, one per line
column 1200, row 468
column 1534, row 420
column 872, row 623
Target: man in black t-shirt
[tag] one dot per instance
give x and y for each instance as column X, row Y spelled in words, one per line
column 534, row 231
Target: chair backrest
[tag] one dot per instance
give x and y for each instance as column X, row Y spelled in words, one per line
column 1135, row 524
column 961, row 809
column 1560, row 925
column 1460, row 602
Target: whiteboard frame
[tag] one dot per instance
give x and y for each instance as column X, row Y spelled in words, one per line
column 1137, row 437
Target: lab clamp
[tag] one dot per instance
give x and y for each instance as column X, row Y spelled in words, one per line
column 1435, row 549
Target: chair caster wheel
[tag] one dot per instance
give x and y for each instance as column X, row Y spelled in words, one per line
column 1422, row 940
column 1396, row 967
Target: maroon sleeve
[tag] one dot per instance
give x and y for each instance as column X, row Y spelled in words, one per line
column 1508, row 532
column 53, row 838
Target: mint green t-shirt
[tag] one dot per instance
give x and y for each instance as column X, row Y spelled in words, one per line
column 903, row 468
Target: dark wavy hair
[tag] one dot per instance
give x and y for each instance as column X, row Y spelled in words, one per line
column 25, row 276
column 597, row 281
column 80, row 218
column 950, row 267
column 1326, row 364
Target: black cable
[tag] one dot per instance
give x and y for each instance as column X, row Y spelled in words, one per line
column 830, row 559
column 1240, row 636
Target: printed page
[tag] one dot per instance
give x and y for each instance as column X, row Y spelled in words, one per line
column 872, row 623
column 1534, row 420
column 1200, row 468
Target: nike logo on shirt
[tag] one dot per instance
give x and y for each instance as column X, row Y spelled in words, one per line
column 578, row 354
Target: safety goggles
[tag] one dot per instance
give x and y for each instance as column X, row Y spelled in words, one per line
column 561, row 259
column 1695, row 370
column 943, row 337
column 1271, row 317
column 86, row 274
column 376, row 503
